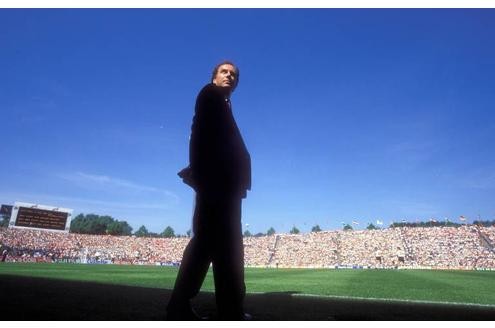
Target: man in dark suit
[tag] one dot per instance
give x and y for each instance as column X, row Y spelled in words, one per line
column 220, row 173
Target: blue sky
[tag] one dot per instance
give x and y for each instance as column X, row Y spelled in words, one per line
column 348, row 114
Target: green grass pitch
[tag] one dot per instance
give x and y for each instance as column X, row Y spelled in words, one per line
column 465, row 287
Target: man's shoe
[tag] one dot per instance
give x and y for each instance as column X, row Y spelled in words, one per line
column 247, row 317
column 184, row 314
column 235, row 317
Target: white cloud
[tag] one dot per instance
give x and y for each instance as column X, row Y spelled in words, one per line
column 77, row 202
column 92, row 181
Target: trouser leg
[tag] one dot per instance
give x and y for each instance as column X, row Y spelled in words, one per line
column 192, row 272
column 195, row 263
column 217, row 239
column 228, row 260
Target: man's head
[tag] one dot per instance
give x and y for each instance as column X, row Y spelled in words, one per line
column 226, row 75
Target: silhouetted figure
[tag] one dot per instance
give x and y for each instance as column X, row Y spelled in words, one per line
column 4, row 254
column 220, row 173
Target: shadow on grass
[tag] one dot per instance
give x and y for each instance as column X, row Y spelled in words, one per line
column 41, row 299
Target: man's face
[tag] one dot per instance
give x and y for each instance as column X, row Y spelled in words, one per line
column 226, row 77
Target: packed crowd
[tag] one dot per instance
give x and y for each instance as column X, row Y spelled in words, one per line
column 36, row 245
column 313, row 250
column 258, row 251
column 448, row 247
column 488, row 233
column 465, row 247
column 372, row 248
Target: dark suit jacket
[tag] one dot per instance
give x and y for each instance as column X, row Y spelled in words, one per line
column 219, row 161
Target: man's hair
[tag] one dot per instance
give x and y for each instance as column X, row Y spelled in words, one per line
column 226, row 62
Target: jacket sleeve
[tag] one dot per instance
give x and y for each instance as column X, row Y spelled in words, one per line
column 205, row 147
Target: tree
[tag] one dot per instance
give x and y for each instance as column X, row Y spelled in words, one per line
column 484, row 223
column 247, row 233
column 270, row 231
column 126, row 228
column 119, row 228
column 348, row 227
column 259, row 234
column 91, row 224
column 99, row 225
column 294, row 230
column 316, row 228
column 168, row 232
column 79, row 224
column 430, row 223
column 114, row 228
column 371, row 226
column 188, row 233
column 142, row 232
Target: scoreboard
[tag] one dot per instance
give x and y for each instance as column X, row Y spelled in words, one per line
column 35, row 216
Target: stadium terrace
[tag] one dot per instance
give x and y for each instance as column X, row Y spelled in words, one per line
column 468, row 247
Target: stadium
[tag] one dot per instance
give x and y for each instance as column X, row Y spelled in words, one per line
column 401, row 273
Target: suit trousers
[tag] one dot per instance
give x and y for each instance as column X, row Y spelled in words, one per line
column 217, row 239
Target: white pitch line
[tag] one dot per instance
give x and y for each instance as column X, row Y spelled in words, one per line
column 394, row 300
column 375, row 299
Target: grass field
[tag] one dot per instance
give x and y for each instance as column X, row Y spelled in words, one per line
column 466, row 287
